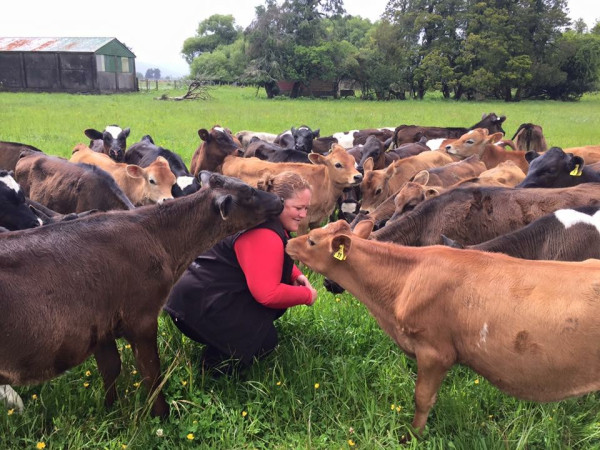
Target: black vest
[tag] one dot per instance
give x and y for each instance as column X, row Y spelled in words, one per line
column 213, row 299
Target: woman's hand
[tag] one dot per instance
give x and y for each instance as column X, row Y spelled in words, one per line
column 303, row 281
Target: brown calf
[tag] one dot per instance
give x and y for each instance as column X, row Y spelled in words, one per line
column 479, row 142
column 10, row 153
column 142, row 185
column 505, row 174
column 327, row 175
column 216, row 145
column 79, row 304
column 66, row 187
column 589, row 153
column 513, row 321
column 377, row 185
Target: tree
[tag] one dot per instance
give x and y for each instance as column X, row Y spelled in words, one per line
column 213, row 32
column 153, row 74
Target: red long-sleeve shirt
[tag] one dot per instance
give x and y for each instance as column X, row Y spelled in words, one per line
column 260, row 255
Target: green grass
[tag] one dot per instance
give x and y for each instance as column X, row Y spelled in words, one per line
column 365, row 384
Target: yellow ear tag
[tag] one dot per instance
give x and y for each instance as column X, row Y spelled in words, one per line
column 340, row 253
column 576, row 172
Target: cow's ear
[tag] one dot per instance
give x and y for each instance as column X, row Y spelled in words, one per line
column 450, row 242
column 501, row 119
column 316, row 133
column 496, row 137
column 225, row 205
column 531, row 155
column 93, row 134
column 421, row 178
column 363, row 228
column 125, row 132
column 293, row 131
column 316, row 158
column 204, row 135
column 134, row 171
column 575, row 165
column 368, row 165
column 340, row 246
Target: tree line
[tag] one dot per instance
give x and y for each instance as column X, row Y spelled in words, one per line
column 465, row 49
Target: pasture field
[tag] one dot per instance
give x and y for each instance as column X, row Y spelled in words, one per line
column 336, row 381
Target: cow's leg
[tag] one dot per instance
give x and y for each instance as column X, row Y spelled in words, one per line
column 145, row 349
column 109, row 365
column 10, row 398
column 431, row 370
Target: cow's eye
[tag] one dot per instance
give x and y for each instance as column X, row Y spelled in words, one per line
column 470, row 141
column 378, row 191
column 152, row 181
column 338, row 165
column 310, row 242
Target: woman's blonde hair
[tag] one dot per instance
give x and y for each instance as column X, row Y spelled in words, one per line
column 285, row 184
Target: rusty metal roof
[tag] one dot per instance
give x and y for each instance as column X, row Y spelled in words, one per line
column 53, row 44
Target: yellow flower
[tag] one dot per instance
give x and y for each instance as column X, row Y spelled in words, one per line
column 279, row 383
column 136, row 384
column 244, row 413
column 11, row 412
column 317, row 385
column 133, row 372
column 393, row 407
column 190, row 436
column 87, row 373
column 398, row 408
column 184, row 382
column 34, row 396
column 86, row 384
column 123, row 446
column 40, row 445
column 477, row 381
column 351, row 443
column 128, row 346
column 337, row 299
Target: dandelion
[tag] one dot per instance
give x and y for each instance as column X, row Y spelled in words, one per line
column 351, row 443
column 393, row 407
column 477, row 381
column 123, row 446
column 40, row 445
column 337, row 299
column 278, row 383
column 184, row 382
column 86, row 384
column 136, row 384
column 128, row 346
column 133, row 372
column 34, row 396
column 398, row 408
column 160, row 432
column 244, row 413
column 10, row 412
column 190, row 436
column 87, row 373
column 317, row 385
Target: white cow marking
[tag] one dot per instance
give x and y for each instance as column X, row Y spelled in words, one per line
column 184, row 181
column 113, row 131
column 345, row 138
column 483, row 335
column 570, row 217
column 10, row 183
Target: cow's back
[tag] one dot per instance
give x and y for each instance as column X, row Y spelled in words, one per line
column 10, row 153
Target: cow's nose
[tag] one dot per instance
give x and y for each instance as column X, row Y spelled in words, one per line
column 358, row 178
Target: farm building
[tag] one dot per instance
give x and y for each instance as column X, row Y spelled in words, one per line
column 66, row 64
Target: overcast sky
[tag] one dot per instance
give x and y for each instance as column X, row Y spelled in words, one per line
column 155, row 31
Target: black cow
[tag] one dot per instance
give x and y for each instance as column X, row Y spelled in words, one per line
column 15, row 213
column 275, row 153
column 556, row 168
column 298, row 138
column 10, row 152
column 145, row 152
column 564, row 235
column 112, row 141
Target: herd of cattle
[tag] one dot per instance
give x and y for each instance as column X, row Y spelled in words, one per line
column 527, row 326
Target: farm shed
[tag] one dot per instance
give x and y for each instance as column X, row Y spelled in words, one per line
column 66, row 64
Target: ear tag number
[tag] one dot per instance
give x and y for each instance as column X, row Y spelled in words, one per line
column 576, row 172
column 340, row 253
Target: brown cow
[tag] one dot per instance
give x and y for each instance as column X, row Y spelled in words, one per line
column 589, row 153
column 475, row 214
column 377, row 185
column 66, row 187
column 327, row 175
column 79, row 303
column 413, row 133
column 530, row 137
column 216, row 145
column 479, row 142
column 10, row 153
column 142, row 185
column 505, row 174
column 529, row 327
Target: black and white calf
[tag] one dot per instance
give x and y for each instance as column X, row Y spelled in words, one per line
column 112, row 141
column 300, row 138
column 15, row 213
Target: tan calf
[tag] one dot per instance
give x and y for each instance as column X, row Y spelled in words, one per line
column 529, row 327
column 589, row 153
column 377, row 185
column 327, row 176
column 143, row 186
column 479, row 142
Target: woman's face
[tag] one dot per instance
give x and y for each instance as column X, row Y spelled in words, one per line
column 295, row 209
